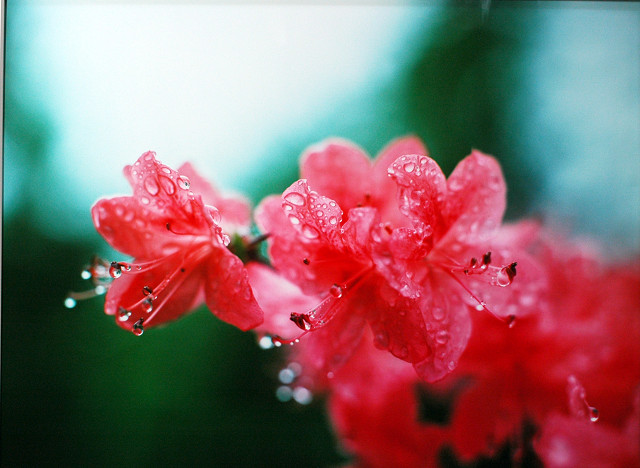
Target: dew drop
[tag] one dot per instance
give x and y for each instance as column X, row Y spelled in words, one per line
column 147, row 304
column 295, row 198
column 333, row 220
column 319, row 213
column 438, row 313
column 167, row 185
column 70, row 302
column 294, row 220
column 115, row 271
column 165, row 169
column 409, row 167
column 147, row 291
column 336, row 291
column 505, row 275
column 100, row 289
column 145, row 200
column 310, row 232
column 151, row 186
column 594, row 414
column 442, row 337
column 138, row 328
column 86, row 274
column 184, row 182
column 123, row 314
column 511, row 321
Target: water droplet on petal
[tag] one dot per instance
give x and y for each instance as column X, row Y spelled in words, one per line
column 438, row 313
column 151, row 185
column 409, row 167
column 147, row 291
column 147, row 304
column 310, row 232
column 333, row 220
column 184, row 182
column 594, row 414
column 511, row 321
column 294, row 220
column 442, row 337
column 138, row 328
column 295, row 199
column 335, row 291
column 145, row 200
column 123, row 314
column 70, row 302
column 167, row 184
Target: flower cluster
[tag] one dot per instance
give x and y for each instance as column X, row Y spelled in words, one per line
column 436, row 332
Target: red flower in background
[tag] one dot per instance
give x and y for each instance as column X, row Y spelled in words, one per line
column 508, row 395
column 180, row 250
column 409, row 270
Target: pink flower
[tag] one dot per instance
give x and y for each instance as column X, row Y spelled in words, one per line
column 180, row 250
column 377, row 407
column 586, row 328
column 407, row 271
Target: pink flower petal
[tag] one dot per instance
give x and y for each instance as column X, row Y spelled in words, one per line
column 422, row 191
column 315, row 217
column 339, row 170
column 277, row 297
column 148, row 295
column 235, row 211
column 228, row 293
column 476, row 199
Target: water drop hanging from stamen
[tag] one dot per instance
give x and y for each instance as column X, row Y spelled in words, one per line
column 336, row 291
column 138, row 328
column 147, row 304
column 114, row 270
column 511, row 321
column 147, row 291
column 506, row 275
column 123, row 314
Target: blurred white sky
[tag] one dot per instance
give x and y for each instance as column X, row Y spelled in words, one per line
column 215, row 83
column 205, row 82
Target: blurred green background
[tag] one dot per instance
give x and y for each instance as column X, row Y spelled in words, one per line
column 552, row 90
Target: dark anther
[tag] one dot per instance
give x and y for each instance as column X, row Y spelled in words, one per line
column 168, row 226
column 182, row 270
column 486, row 258
column 511, row 270
column 388, row 229
column 306, row 261
column 301, row 320
column 474, row 261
